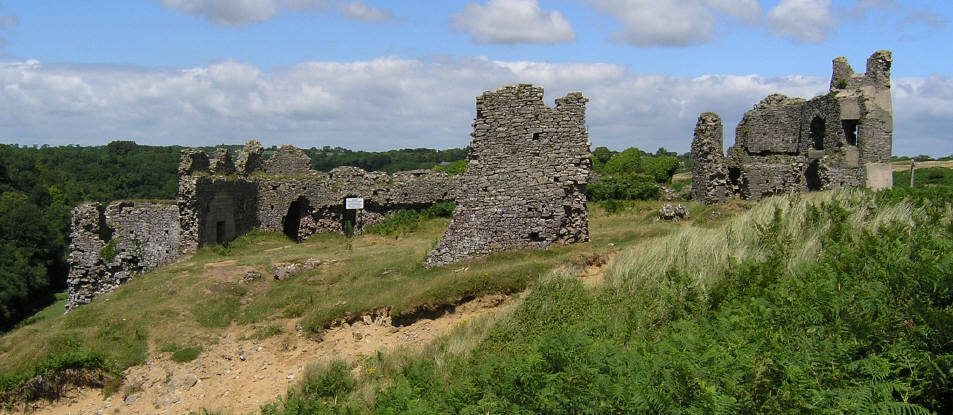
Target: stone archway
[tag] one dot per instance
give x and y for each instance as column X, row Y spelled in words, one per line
column 291, row 223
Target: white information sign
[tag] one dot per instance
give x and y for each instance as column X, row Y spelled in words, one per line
column 354, row 203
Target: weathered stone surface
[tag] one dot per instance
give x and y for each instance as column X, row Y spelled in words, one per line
column 111, row 244
column 788, row 145
column 221, row 162
column 288, row 160
column 670, row 212
column 250, row 159
column 193, row 162
column 525, row 182
column 708, row 162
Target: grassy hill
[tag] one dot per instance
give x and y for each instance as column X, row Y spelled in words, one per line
column 835, row 302
column 191, row 304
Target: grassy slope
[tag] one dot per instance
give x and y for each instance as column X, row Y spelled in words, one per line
column 190, row 303
column 824, row 303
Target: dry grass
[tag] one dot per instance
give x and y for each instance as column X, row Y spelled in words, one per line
column 703, row 254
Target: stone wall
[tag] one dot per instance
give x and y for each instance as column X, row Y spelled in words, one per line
column 526, row 177
column 215, row 209
column 111, row 244
column 708, row 170
column 785, row 145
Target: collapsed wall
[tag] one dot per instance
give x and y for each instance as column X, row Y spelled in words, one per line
column 785, row 145
column 526, row 176
column 111, row 244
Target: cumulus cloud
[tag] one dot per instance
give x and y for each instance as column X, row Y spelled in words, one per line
column 512, row 21
column 391, row 103
column 239, row 12
column 673, row 22
column 802, row 20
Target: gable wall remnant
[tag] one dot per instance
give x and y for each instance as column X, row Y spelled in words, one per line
column 784, row 145
column 527, row 171
column 111, row 244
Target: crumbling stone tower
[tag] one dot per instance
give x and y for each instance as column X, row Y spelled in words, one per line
column 782, row 145
column 708, row 169
column 526, row 177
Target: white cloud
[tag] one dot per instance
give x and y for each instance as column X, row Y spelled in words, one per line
column 747, row 10
column 239, row 12
column 673, row 22
column 391, row 103
column 802, row 20
column 512, row 21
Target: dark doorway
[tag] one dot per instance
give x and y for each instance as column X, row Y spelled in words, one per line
column 292, row 222
column 220, row 232
column 817, row 133
column 348, row 221
column 813, row 176
column 850, row 131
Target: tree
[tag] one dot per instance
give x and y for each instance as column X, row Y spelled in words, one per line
column 628, row 161
column 28, row 252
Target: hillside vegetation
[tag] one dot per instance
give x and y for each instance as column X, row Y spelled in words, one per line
column 186, row 306
column 836, row 302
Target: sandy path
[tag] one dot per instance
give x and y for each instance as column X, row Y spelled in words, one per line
column 238, row 375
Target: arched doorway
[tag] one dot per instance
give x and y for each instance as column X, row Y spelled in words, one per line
column 817, row 133
column 292, row 220
column 812, row 176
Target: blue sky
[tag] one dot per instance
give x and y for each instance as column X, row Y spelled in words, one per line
column 379, row 74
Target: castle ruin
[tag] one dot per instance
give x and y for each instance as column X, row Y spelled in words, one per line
column 784, row 145
column 525, row 183
column 524, row 187
column 219, row 200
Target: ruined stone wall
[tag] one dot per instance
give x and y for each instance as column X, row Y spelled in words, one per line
column 843, row 138
column 111, row 244
column 525, row 182
column 708, row 166
column 324, row 194
column 215, row 209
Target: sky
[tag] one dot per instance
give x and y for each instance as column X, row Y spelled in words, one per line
column 386, row 74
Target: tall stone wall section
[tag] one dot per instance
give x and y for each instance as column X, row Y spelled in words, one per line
column 785, row 145
column 110, row 245
column 708, row 170
column 526, row 177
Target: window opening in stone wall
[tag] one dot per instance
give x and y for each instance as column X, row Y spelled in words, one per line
column 292, row 221
column 817, row 133
column 734, row 175
column 536, row 136
column 220, row 232
column 535, row 237
column 812, row 176
column 850, row 131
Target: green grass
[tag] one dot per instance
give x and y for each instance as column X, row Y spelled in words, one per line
column 193, row 301
column 187, row 354
column 827, row 303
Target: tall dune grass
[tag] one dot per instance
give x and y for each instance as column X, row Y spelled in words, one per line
column 701, row 255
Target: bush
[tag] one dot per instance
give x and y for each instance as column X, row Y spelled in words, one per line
column 624, row 187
